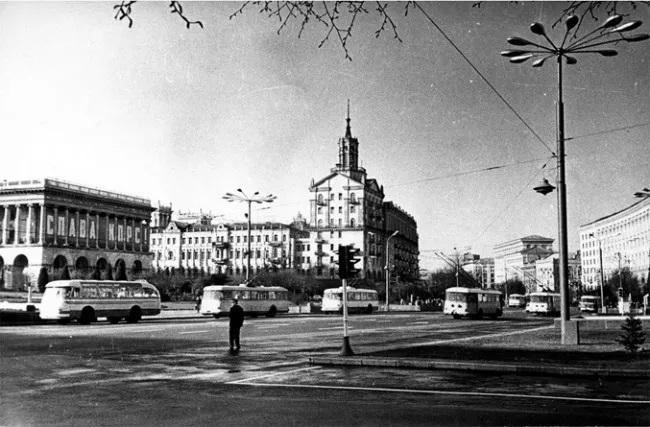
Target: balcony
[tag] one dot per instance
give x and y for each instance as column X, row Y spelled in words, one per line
column 320, row 253
column 220, row 261
column 275, row 244
column 220, row 245
column 321, row 240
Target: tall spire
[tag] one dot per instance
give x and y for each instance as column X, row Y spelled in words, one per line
column 348, row 131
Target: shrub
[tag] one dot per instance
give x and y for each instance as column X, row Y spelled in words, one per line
column 633, row 335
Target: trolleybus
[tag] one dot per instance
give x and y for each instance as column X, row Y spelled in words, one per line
column 359, row 300
column 473, row 302
column 517, row 300
column 267, row 300
column 546, row 303
column 589, row 303
column 86, row 300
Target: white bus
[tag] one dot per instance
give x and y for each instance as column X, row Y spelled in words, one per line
column 517, row 300
column 267, row 300
column 359, row 300
column 473, row 302
column 86, row 300
column 546, row 303
column 589, row 303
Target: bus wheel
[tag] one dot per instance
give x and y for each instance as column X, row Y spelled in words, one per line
column 272, row 311
column 480, row 314
column 216, row 315
column 134, row 315
column 87, row 316
column 499, row 312
column 456, row 316
column 369, row 309
column 113, row 320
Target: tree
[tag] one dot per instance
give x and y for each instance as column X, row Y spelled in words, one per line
column 633, row 335
column 121, row 271
column 514, row 286
column 628, row 281
column 337, row 19
column 65, row 275
column 43, row 279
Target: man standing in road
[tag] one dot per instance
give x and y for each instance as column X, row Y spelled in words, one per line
column 236, row 322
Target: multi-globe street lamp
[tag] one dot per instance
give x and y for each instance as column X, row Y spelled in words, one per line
column 643, row 194
column 572, row 44
column 387, row 268
column 245, row 199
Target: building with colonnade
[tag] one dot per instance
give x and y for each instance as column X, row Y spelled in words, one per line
column 56, row 224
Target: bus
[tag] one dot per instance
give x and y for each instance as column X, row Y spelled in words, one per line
column 517, row 301
column 86, row 300
column 546, row 303
column 255, row 300
column 473, row 302
column 589, row 303
column 359, row 300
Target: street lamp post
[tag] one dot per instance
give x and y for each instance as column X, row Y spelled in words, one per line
column 387, row 268
column 245, row 199
column 571, row 45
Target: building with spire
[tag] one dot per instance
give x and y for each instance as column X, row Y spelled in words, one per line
column 348, row 208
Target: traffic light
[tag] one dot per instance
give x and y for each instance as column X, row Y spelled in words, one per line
column 342, row 261
column 620, row 292
column 351, row 259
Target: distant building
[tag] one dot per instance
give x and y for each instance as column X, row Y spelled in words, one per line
column 53, row 224
column 203, row 247
column 347, row 208
column 482, row 269
column 624, row 238
column 547, row 273
column 514, row 260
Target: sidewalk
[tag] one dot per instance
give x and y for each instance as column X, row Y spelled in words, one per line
column 535, row 353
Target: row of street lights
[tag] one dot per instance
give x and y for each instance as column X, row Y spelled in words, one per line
column 572, row 44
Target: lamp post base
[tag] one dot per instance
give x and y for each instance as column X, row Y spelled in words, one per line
column 346, row 350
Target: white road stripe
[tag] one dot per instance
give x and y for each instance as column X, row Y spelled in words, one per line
column 193, row 332
column 273, row 374
column 440, row 392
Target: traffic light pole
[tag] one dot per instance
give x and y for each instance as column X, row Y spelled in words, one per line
column 346, row 350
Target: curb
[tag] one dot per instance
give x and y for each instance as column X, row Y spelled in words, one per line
column 477, row 366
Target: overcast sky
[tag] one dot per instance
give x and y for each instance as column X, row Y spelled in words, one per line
column 184, row 116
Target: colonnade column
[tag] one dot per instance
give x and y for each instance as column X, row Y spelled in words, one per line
column 5, row 224
column 97, row 231
column 28, row 229
column 56, row 225
column 17, row 225
column 78, row 226
column 108, row 223
column 87, row 229
column 41, row 229
column 66, row 227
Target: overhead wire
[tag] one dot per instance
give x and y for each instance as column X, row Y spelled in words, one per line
column 435, row 178
column 607, row 131
column 484, row 78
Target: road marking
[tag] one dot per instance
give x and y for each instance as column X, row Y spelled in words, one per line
column 418, row 323
column 193, row 332
column 75, row 371
column 438, row 392
column 273, row 374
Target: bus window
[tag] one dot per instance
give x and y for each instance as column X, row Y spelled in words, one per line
column 89, row 291
column 106, row 291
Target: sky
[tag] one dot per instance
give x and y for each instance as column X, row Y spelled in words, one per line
column 183, row 116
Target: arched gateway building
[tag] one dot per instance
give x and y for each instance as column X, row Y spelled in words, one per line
column 51, row 223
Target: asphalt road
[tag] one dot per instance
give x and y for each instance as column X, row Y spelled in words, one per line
column 179, row 372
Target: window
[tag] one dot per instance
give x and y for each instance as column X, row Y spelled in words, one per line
column 202, row 239
column 284, row 237
column 332, row 209
column 320, row 210
column 351, row 209
column 238, row 239
column 340, row 196
column 331, row 196
column 259, row 238
column 266, row 238
column 340, row 209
